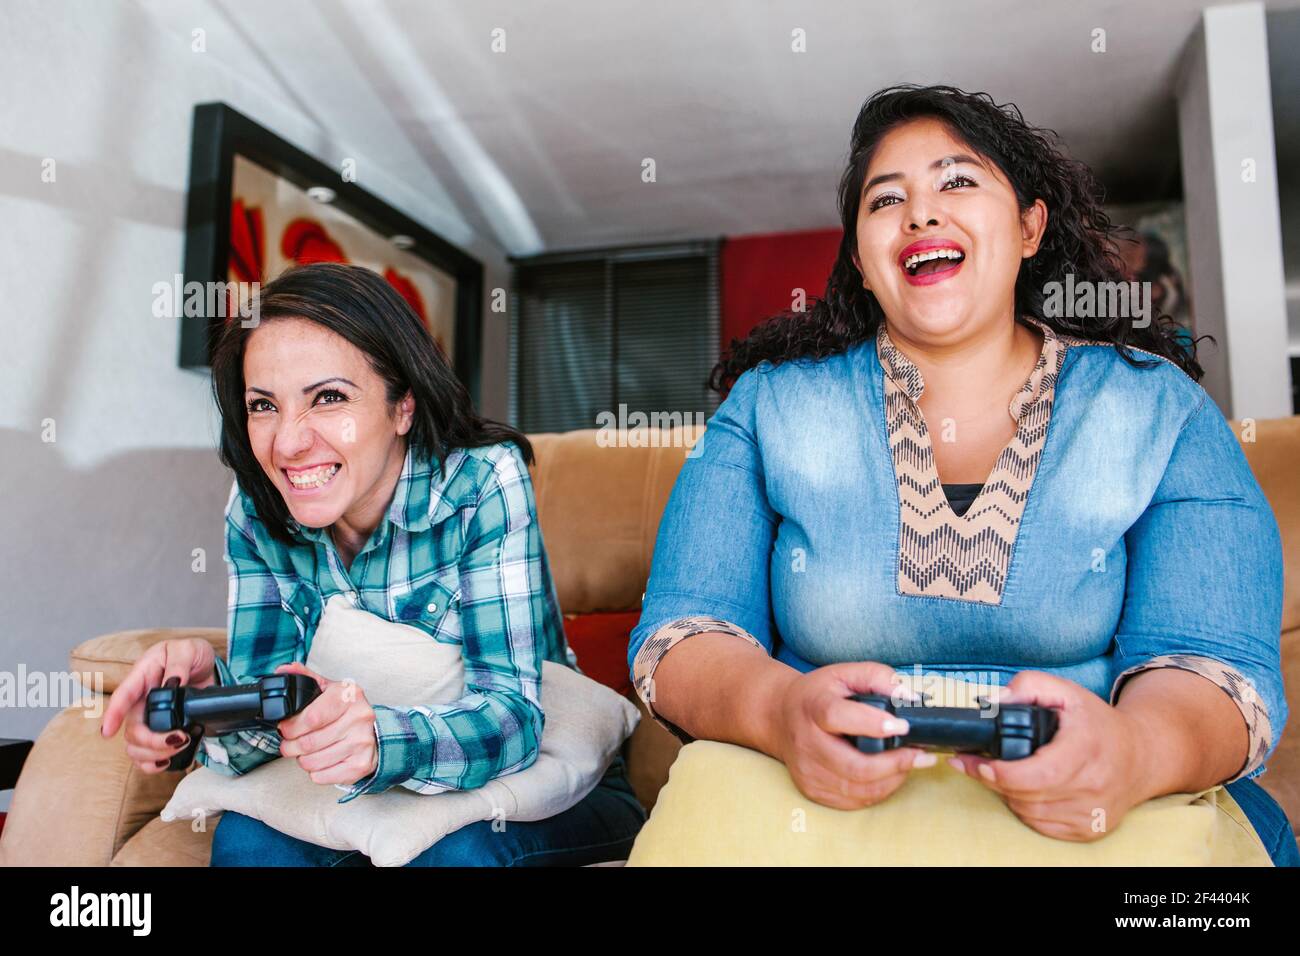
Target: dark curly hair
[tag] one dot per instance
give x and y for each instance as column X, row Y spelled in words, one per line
column 360, row 305
column 1079, row 238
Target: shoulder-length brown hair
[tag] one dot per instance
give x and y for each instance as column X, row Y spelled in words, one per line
column 363, row 308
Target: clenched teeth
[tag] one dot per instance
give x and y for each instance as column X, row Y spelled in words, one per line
column 314, row 478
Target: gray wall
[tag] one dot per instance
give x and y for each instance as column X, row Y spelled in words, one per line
column 1234, row 233
column 1284, row 76
column 99, row 526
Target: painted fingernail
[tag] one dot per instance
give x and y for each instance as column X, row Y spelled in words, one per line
column 925, row 760
column 894, row 725
column 175, row 740
column 986, row 771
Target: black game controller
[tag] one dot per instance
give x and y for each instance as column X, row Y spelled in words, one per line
column 1016, row 731
column 224, row 710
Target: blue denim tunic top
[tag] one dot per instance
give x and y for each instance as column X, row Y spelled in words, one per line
column 807, row 521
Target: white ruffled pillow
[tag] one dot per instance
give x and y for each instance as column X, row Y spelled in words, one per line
column 401, row 666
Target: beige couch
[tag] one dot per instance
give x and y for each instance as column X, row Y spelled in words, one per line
column 79, row 801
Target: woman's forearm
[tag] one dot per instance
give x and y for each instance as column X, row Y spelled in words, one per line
column 719, row 687
column 1191, row 735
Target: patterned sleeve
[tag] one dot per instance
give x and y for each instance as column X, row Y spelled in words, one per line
column 506, row 611
column 1204, row 581
column 1233, row 683
column 664, row 640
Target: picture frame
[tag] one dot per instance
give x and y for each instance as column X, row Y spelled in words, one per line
column 230, row 152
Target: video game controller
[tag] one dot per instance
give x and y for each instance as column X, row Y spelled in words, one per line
column 223, row 710
column 1016, row 731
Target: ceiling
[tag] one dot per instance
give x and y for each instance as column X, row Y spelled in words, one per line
column 541, row 147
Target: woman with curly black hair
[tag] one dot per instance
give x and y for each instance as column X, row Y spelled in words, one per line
column 943, row 468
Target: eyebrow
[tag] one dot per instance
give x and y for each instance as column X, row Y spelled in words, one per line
column 309, row 388
column 945, row 161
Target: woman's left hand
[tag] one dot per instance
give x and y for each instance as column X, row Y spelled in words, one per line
column 1080, row 785
column 333, row 737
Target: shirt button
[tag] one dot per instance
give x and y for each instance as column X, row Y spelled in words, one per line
column 432, row 608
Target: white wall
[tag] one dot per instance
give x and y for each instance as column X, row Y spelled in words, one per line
column 99, row 526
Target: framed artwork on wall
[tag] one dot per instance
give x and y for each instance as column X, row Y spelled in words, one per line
column 258, row 205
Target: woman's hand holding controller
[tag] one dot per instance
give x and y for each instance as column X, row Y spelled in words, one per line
column 1080, row 786
column 333, row 738
column 190, row 662
column 816, row 716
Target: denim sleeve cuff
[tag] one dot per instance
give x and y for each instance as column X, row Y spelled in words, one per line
column 398, row 741
column 660, row 643
column 1233, row 683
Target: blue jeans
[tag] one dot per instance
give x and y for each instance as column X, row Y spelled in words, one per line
column 1269, row 821
column 600, row 828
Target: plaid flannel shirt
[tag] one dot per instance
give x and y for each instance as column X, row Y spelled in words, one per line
column 459, row 554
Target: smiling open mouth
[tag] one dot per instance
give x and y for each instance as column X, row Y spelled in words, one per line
column 935, row 260
column 314, row 478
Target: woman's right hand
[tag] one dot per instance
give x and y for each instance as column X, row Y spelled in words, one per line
column 191, row 663
column 816, row 715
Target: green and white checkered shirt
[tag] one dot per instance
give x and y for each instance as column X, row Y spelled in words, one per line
column 459, row 555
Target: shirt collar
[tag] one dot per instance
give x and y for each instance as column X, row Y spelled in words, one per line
column 907, row 376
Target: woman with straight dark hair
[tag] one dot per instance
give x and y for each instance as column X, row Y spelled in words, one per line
column 362, row 470
column 944, row 467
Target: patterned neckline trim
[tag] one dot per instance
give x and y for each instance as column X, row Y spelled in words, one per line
column 942, row 554
column 908, row 377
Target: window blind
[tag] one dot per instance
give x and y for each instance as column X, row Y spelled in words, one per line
column 632, row 327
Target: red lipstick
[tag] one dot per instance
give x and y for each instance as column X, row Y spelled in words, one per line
column 945, row 271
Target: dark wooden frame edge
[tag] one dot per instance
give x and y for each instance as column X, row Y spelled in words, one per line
column 219, row 133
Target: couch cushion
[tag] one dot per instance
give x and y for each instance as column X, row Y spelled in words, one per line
column 599, row 508
column 79, row 798
column 113, row 654
column 180, row 843
column 939, row 817
column 1282, row 778
column 599, row 641
column 1274, row 457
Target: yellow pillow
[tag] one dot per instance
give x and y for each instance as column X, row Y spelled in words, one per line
column 728, row 805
